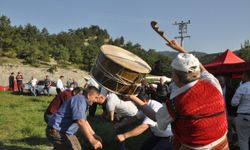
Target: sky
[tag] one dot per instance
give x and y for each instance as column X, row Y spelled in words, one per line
column 216, row 25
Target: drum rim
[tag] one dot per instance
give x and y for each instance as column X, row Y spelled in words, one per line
column 108, row 89
column 147, row 68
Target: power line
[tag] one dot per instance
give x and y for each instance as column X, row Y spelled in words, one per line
column 182, row 30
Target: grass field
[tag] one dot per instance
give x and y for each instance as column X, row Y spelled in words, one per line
column 22, row 126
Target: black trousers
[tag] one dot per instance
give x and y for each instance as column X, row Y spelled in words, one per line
column 58, row 91
column 157, row 143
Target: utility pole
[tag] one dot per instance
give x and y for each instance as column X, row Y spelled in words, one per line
column 182, row 30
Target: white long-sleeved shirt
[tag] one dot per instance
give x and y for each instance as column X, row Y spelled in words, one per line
column 59, row 84
column 241, row 98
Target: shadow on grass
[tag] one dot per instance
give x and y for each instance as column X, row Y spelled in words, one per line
column 17, row 93
column 12, row 147
column 37, row 100
column 32, row 141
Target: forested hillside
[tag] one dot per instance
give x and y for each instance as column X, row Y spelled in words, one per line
column 77, row 47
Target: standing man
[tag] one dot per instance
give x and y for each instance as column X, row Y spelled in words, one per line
column 47, row 84
column 228, row 93
column 70, row 117
column 33, row 83
column 196, row 110
column 75, row 83
column 241, row 99
column 12, row 82
column 59, row 85
column 19, row 79
column 69, row 82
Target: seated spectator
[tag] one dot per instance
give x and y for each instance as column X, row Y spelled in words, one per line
column 159, row 139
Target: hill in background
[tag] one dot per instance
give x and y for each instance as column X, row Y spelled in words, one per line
column 78, row 48
column 173, row 54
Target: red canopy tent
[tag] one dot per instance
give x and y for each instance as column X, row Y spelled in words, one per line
column 227, row 63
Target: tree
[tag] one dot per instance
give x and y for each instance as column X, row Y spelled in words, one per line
column 244, row 52
column 162, row 67
column 6, row 33
column 79, row 46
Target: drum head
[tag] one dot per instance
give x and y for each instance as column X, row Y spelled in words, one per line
column 125, row 58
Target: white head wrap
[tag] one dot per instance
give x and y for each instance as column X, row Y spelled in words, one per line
column 186, row 63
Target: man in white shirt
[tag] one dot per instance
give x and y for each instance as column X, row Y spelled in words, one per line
column 59, row 85
column 122, row 108
column 160, row 139
column 33, row 83
column 241, row 99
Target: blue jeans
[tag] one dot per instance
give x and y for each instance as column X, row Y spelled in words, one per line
column 33, row 91
column 46, row 90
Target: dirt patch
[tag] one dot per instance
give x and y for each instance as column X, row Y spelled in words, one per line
column 40, row 73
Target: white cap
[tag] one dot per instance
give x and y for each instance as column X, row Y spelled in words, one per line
column 186, row 63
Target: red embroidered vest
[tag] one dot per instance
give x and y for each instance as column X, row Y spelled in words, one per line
column 199, row 115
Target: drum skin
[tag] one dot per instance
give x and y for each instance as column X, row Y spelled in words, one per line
column 117, row 78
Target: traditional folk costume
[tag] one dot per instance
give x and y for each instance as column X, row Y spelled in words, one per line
column 196, row 111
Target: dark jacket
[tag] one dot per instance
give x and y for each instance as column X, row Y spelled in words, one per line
column 228, row 98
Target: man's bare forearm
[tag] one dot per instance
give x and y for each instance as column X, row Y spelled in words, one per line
column 136, row 131
column 84, row 127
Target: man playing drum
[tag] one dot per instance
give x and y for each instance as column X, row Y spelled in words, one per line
column 196, row 110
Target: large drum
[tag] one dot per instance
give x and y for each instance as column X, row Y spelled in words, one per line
column 119, row 70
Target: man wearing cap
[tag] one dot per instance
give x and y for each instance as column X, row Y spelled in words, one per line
column 196, row 110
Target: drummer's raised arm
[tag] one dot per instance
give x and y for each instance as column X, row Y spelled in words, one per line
column 176, row 46
column 149, row 112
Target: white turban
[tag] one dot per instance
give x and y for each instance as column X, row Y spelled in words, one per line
column 186, row 62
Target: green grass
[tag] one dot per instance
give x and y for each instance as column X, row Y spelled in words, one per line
column 22, row 126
